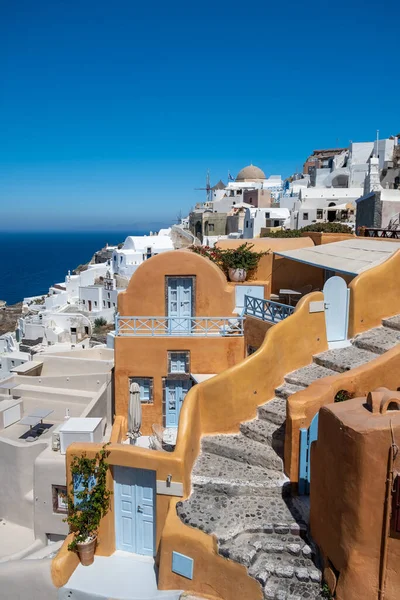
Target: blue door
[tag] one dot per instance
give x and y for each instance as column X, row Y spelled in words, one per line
column 134, row 500
column 175, row 392
column 180, row 304
column 336, row 298
column 307, row 437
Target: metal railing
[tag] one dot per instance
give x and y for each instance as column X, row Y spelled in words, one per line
column 178, row 326
column 267, row 310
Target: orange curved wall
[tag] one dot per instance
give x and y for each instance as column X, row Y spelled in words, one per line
column 374, row 295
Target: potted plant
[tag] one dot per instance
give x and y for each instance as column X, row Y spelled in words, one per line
column 88, row 502
column 239, row 261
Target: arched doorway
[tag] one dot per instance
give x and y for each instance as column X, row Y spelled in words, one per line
column 331, row 213
column 336, row 299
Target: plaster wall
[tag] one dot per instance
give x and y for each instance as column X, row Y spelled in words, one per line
column 49, row 470
column 145, row 295
column 327, row 238
column 16, row 475
column 390, row 209
column 374, row 295
column 349, row 465
column 35, row 584
column 203, row 412
column 63, row 365
column 303, row 406
column 148, row 357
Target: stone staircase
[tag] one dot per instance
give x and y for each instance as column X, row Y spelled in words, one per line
column 241, row 495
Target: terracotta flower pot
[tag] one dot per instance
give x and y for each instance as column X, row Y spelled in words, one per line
column 237, row 274
column 86, row 551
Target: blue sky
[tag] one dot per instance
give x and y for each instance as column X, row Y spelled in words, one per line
column 112, row 112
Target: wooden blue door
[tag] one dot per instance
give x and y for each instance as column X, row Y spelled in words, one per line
column 336, row 298
column 180, row 304
column 134, row 501
column 175, row 392
column 307, row 437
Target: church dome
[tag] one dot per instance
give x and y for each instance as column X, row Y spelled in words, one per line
column 250, row 173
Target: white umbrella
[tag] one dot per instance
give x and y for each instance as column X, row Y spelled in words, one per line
column 134, row 413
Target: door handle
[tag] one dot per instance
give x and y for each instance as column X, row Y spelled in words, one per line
column 139, row 509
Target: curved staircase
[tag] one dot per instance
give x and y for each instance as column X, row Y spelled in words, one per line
column 241, row 495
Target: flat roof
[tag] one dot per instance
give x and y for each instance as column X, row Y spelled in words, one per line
column 349, row 256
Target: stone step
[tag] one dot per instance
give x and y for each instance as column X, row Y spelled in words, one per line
column 378, row 340
column 294, row 588
column 392, row 322
column 344, row 359
column 227, row 516
column 240, row 448
column 308, row 374
column 273, row 411
column 265, row 432
column 245, row 547
column 282, row 566
column 216, row 474
column 288, row 389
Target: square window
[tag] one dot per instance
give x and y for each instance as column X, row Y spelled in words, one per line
column 59, row 495
column 305, row 216
column 178, row 362
column 146, row 388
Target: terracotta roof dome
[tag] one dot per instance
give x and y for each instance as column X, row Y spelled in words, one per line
column 250, row 173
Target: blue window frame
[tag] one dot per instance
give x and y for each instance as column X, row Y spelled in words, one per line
column 146, row 388
column 178, row 362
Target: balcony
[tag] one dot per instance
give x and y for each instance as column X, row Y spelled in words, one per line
column 178, row 326
column 266, row 310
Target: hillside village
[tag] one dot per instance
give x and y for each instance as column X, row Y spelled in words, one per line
column 212, row 410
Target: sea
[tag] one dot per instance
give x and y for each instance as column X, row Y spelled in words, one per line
column 33, row 261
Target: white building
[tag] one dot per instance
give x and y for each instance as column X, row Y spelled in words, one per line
column 137, row 249
column 321, row 205
column 257, row 218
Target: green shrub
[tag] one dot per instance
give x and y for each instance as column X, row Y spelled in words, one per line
column 241, row 257
column 284, row 233
column 328, row 228
column 100, row 322
column 343, row 395
column 93, row 500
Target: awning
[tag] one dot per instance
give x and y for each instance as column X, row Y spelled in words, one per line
column 341, row 207
column 350, row 256
column 200, row 377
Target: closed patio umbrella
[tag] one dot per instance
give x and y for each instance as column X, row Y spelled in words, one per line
column 134, row 413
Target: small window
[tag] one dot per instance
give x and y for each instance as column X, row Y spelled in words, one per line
column 146, row 388
column 108, row 294
column 83, row 302
column 114, row 304
column 95, row 302
column 320, row 213
column 276, row 223
column 178, row 362
column 73, row 329
column 86, row 330
column 109, row 304
column 120, row 259
column 267, row 215
column 104, row 302
column 211, row 227
column 305, row 216
column 247, row 223
column 59, row 494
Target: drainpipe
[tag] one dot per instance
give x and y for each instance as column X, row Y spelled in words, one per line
column 388, row 497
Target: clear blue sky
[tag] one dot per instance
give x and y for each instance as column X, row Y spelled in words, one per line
column 111, row 112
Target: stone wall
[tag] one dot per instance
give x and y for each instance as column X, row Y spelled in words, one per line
column 369, row 211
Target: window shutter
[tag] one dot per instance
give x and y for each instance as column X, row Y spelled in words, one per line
column 151, row 390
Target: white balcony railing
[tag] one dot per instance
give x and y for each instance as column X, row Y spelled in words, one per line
column 178, row 326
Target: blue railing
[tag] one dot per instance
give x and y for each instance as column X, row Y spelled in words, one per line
column 183, row 326
column 267, row 310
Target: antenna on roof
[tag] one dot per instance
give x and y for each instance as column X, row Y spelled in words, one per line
column 377, row 144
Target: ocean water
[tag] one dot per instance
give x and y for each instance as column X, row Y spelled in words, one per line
column 33, row 261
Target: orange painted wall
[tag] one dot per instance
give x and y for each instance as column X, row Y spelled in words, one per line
column 349, row 470
column 319, row 237
column 147, row 357
column 374, row 295
column 301, row 407
column 145, row 294
column 255, row 331
column 289, row 274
